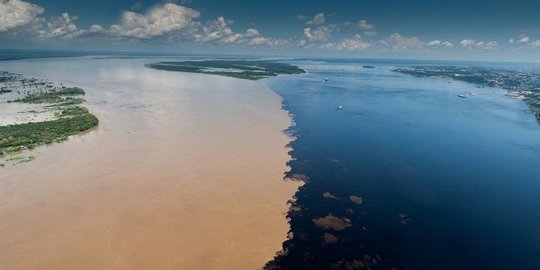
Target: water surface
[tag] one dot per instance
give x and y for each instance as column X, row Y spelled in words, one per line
column 445, row 182
column 180, row 174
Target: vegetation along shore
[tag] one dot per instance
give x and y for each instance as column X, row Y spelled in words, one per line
column 41, row 113
column 242, row 69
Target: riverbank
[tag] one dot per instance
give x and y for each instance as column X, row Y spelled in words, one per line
column 38, row 112
column 520, row 84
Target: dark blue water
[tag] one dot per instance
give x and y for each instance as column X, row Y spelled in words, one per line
column 446, row 182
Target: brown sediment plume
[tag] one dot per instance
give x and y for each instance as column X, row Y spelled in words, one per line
column 295, row 208
column 299, row 177
column 328, row 195
column 332, row 222
column 329, row 238
column 356, row 199
column 184, row 172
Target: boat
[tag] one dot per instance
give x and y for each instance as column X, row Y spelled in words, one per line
column 462, row 96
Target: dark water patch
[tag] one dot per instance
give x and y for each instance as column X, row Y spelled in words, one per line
column 415, row 178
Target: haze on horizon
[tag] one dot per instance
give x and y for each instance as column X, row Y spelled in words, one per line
column 458, row 30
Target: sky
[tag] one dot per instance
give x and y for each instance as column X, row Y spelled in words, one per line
column 493, row 30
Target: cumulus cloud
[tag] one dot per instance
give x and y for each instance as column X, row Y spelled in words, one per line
column 216, row 30
column 22, row 18
column 523, row 39
column 364, row 25
column 170, row 21
column 319, row 34
column 535, row 44
column 519, row 40
column 490, row 45
column 157, row 22
column 96, row 28
column 352, row 44
column 397, row 42
column 17, row 13
column 438, row 43
column 219, row 31
column 318, row 19
column 473, row 44
column 274, row 42
column 467, row 43
column 258, row 41
column 61, row 26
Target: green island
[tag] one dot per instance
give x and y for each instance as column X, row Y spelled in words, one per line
column 52, row 96
column 242, row 69
column 522, row 85
column 60, row 106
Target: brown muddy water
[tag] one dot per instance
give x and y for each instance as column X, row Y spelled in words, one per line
column 184, row 172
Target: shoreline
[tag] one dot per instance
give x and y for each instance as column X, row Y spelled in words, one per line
column 44, row 113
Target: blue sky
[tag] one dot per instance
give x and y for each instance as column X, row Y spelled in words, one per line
column 459, row 29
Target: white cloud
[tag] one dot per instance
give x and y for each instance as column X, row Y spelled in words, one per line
column 319, row 34
column 352, row 44
column 364, row 25
column 174, row 22
column 447, row 44
column 116, row 29
column 490, row 45
column 96, row 28
column 318, row 19
column 258, row 41
column 215, row 30
column 519, row 40
column 233, row 38
column 160, row 21
column 251, row 32
column 61, row 26
column 16, row 13
column 398, row 42
column 438, row 43
column 267, row 41
column 467, row 43
column 434, row 43
column 535, row 44
column 473, row 44
column 219, row 31
column 523, row 39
